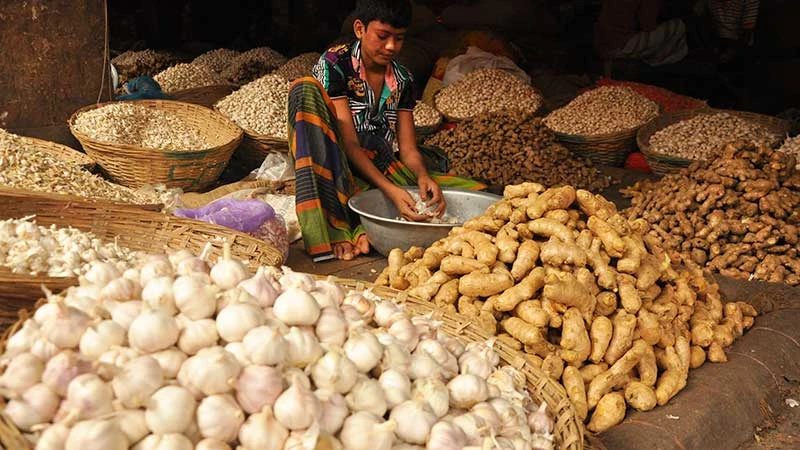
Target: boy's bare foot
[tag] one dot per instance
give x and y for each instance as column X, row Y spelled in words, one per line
column 362, row 245
column 344, row 251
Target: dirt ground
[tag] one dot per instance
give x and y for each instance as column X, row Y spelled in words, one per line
column 782, row 431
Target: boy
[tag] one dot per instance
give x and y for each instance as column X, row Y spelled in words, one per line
column 349, row 120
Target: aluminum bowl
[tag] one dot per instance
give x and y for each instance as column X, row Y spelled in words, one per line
column 385, row 232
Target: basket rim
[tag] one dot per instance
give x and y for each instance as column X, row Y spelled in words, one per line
column 81, row 158
column 135, row 148
column 56, row 196
column 203, row 88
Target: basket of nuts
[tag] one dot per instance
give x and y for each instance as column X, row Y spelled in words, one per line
column 156, row 141
column 426, row 119
column 486, row 90
column 259, row 108
column 601, row 124
column 675, row 140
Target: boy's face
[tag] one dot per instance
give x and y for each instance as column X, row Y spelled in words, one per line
column 380, row 42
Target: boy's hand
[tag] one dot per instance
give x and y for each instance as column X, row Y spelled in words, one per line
column 406, row 205
column 428, row 186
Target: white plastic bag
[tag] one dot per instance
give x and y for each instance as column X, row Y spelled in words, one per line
column 276, row 167
column 475, row 58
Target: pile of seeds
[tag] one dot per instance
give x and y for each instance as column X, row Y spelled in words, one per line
column 511, row 147
column 792, row 147
column 607, row 109
column 24, row 167
column 704, row 135
column 134, row 64
column 131, row 124
column 216, row 60
column 187, row 76
column 426, row 116
column 253, row 64
column 298, row 67
column 487, row 90
column 259, row 106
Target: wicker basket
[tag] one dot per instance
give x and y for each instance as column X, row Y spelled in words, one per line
column 57, row 197
column 196, row 200
column 62, row 152
column 603, row 150
column 205, row 95
column 568, row 430
column 663, row 164
column 135, row 166
column 254, row 148
column 133, row 228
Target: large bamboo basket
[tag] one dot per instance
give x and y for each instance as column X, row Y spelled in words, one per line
column 569, row 429
column 663, row 164
column 255, row 147
column 191, row 170
column 132, row 228
column 75, row 198
column 62, row 152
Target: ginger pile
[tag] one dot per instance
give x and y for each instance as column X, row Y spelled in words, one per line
column 589, row 295
column 737, row 215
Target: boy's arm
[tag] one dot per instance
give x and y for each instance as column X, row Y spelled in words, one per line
column 407, row 143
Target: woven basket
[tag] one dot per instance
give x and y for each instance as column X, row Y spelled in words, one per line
column 663, row 164
column 603, row 150
column 568, row 428
column 196, row 200
column 255, row 147
column 62, row 152
column 205, row 95
column 57, row 197
column 129, row 227
column 190, row 170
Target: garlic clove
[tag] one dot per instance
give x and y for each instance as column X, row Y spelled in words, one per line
column 219, row 417
column 235, row 320
column 297, row 407
column 467, row 390
column 266, row 346
column 227, row 273
column 170, row 410
column 153, row 330
column 296, row 307
column 260, row 288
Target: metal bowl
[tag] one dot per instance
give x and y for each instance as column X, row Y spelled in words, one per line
column 385, row 232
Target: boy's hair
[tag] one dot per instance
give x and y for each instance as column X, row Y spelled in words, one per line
column 396, row 13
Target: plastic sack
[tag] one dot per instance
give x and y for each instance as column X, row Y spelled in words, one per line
column 476, row 58
column 276, row 167
column 253, row 217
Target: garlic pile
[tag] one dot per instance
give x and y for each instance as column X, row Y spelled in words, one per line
column 259, row 106
column 487, row 91
column 187, row 76
column 178, row 355
column 426, row 116
column 28, row 248
column 607, row 109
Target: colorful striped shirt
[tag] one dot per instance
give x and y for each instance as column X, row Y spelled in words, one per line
column 342, row 74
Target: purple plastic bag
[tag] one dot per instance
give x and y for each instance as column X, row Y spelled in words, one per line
column 240, row 215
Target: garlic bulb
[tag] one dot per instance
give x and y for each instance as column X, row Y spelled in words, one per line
column 363, row 348
column 235, row 320
column 479, row 359
column 364, row 306
column 439, row 353
column 23, row 339
column 386, row 312
column 296, row 280
column 237, row 349
column 407, row 447
column 196, row 335
column 170, row 441
column 351, row 314
column 396, row 387
column 467, row 390
column 133, row 424
column 297, row 407
column 257, row 387
column 157, row 294
column 42, row 400
column 194, row 297
column 23, row 415
column 367, row 395
column 44, row 349
column 405, row 332
column 96, row 435
column 334, row 411
column 88, row 397
column 137, row 381
column 211, row 371
column 53, row 437
column 121, row 290
column 366, row 431
column 153, row 330
column 434, row 392
column 331, row 326
column 488, row 414
column 262, row 431
column 170, row 410
column 124, row 313
column 446, row 436
column 66, row 327
column 219, row 417
column 414, row 420
column 227, row 272
column 303, row 349
column 100, row 274
column 99, row 338
column 422, row 366
column 539, row 421
column 329, row 291
column 24, row 371
column 395, row 357
column 156, row 266
column 260, row 288
column 170, row 360
column 303, row 439
column 61, row 369
column 471, row 425
column 266, row 346
column 296, row 307
column 334, row 371
column 212, row 444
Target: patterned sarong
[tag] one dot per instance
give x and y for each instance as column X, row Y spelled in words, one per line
column 324, row 180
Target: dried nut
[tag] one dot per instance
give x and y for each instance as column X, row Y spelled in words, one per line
column 298, row 67
column 259, row 106
column 253, row 64
column 487, row 90
column 187, row 76
column 216, row 60
column 134, row 64
column 604, row 110
column 426, row 116
column 792, row 147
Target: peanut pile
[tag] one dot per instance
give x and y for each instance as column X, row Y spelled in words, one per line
column 187, row 76
column 217, row 59
column 512, row 147
column 259, row 106
column 128, row 123
column 703, row 136
column 736, row 215
column 604, row 110
column 298, row 67
column 588, row 294
column 792, row 147
column 486, row 90
column 132, row 64
column 24, row 167
column 253, row 64
column 426, row 116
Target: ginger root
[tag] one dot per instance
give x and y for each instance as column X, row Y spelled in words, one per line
column 609, row 412
column 640, row 396
column 576, row 390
